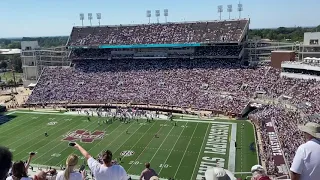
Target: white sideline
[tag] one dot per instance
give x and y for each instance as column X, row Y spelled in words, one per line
column 232, row 148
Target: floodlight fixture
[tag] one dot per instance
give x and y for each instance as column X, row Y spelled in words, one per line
column 90, row 18
column 229, row 9
column 240, row 9
column 149, row 15
column 220, row 10
column 81, row 18
column 157, row 15
column 166, row 14
column 99, row 17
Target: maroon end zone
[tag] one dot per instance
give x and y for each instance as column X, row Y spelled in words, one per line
column 277, row 153
column 83, row 136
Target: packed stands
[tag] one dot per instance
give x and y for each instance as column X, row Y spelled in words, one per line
column 175, row 82
column 168, row 33
column 217, row 84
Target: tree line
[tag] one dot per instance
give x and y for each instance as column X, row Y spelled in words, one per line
column 289, row 34
column 44, row 42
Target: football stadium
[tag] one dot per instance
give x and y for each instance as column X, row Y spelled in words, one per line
column 182, row 96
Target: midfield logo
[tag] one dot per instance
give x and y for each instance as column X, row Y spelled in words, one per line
column 84, row 136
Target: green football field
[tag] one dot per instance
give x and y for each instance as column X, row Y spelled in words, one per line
column 182, row 152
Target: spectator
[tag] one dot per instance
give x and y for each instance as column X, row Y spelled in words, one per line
column 18, row 172
column 69, row 173
column 306, row 162
column 259, row 173
column 148, row 173
column 217, row 173
column 106, row 170
column 5, row 162
column 40, row 176
column 31, row 155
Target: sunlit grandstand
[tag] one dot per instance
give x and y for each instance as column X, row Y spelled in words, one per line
column 183, row 96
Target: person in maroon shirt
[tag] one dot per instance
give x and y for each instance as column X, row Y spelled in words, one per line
column 148, row 172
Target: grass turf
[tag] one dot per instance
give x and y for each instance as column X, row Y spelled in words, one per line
column 7, row 76
column 176, row 153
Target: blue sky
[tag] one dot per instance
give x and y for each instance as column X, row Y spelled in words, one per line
column 56, row 17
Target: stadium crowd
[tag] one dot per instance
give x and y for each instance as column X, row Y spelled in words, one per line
column 285, row 122
column 174, row 82
column 168, row 33
column 224, row 86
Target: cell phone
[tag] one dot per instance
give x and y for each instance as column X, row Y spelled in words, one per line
column 32, row 153
column 82, row 167
column 72, row 144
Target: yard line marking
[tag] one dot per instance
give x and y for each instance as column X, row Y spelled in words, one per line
column 172, row 149
column 130, row 137
column 99, row 141
column 10, row 113
column 41, row 135
column 161, row 144
column 37, row 157
column 31, row 134
column 55, row 139
column 185, row 150
column 13, row 127
column 16, row 123
column 204, row 138
column 144, row 148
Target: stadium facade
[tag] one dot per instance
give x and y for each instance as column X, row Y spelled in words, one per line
column 35, row 59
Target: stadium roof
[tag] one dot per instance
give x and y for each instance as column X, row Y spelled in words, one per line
column 9, row 51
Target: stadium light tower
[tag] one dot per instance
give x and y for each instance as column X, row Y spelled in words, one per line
column 99, row 17
column 149, row 15
column 81, row 18
column 90, row 18
column 220, row 10
column 240, row 9
column 158, row 15
column 229, row 9
column 166, row 13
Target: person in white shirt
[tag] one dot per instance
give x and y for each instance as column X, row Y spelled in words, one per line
column 306, row 162
column 105, row 171
column 18, row 172
column 69, row 173
column 217, row 173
